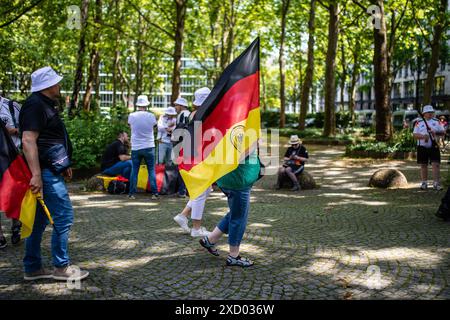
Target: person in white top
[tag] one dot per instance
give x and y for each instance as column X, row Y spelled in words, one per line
column 166, row 124
column 195, row 207
column 181, row 106
column 142, row 124
column 426, row 134
column 9, row 115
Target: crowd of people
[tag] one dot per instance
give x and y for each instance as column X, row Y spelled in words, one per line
column 37, row 129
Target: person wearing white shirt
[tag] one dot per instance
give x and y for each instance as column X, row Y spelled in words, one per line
column 142, row 124
column 166, row 125
column 428, row 151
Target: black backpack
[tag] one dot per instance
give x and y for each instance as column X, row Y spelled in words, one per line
column 118, row 187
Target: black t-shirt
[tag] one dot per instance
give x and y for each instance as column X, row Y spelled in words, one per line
column 112, row 153
column 39, row 114
column 300, row 151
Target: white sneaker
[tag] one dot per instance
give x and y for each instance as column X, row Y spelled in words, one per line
column 182, row 222
column 424, row 186
column 202, row 232
column 437, row 186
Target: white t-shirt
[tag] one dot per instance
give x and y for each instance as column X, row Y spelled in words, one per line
column 7, row 119
column 142, row 124
column 164, row 123
column 421, row 128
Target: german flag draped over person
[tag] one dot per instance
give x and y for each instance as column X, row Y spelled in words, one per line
column 226, row 127
column 16, row 199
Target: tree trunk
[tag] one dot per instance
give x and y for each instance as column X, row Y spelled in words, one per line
column 307, row 84
column 343, row 77
column 381, row 78
column 281, row 60
column 94, row 58
column 138, row 74
column 352, row 89
column 80, row 57
column 178, row 51
column 438, row 32
column 330, row 81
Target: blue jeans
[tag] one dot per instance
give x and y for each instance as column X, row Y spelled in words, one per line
column 56, row 198
column 149, row 156
column 165, row 153
column 122, row 167
column 235, row 222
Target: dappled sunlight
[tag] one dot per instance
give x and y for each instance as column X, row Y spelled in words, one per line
column 360, row 202
column 259, row 225
column 342, row 195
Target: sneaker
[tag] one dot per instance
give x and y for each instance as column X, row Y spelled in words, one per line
column 181, row 196
column 437, row 186
column 131, row 197
column 239, row 262
column 424, row 186
column 15, row 237
column 155, row 196
column 296, row 187
column 204, row 242
column 202, row 232
column 3, row 243
column 182, row 222
column 40, row 274
column 72, row 273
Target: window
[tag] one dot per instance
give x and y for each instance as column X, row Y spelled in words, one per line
column 439, row 84
column 409, row 89
column 396, row 90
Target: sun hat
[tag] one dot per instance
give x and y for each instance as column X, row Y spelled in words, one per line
column 427, row 109
column 142, row 101
column 181, row 101
column 200, row 96
column 294, row 140
column 44, row 78
column 170, row 111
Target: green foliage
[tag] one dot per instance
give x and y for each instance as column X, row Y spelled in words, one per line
column 90, row 134
column 403, row 142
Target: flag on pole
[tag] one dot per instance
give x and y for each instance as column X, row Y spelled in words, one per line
column 226, row 127
column 16, row 198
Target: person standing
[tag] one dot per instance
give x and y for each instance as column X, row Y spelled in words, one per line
column 294, row 162
column 142, row 124
column 116, row 159
column 237, row 186
column 195, row 207
column 166, row 124
column 9, row 115
column 426, row 134
column 43, row 132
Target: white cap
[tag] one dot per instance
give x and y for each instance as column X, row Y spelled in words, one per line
column 142, row 101
column 170, row 111
column 181, row 101
column 200, row 96
column 427, row 109
column 44, row 78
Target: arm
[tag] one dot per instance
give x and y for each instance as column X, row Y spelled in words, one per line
column 124, row 157
column 31, row 154
column 13, row 131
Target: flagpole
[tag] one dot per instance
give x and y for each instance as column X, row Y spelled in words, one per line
column 47, row 212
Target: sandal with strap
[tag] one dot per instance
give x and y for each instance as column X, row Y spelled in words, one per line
column 204, row 242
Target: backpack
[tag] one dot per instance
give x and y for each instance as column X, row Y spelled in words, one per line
column 118, row 187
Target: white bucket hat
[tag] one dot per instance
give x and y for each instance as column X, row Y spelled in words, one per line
column 181, row 101
column 200, row 96
column 170, row 111
column 427, row 109
column 44, row 78
column 294, row 140
column 142, row 101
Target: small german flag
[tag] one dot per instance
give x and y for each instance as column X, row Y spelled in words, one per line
column 16, row 198
column 230, row 125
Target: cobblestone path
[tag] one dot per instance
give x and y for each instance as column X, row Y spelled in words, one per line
column 342, row 240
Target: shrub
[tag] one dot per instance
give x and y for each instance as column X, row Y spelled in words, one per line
column 403, row 141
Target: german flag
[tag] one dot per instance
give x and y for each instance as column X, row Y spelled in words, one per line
column 230, row 125
column 16, row 199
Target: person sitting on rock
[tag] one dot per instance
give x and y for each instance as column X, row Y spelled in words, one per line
column 294, row 162
column 116, row 159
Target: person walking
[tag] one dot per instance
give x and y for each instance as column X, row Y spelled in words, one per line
column 43, row 133
column 426, row 133
column 195, row 207
column 166, row 124
column 237, row 186
column 9, row 115
column 142, row 124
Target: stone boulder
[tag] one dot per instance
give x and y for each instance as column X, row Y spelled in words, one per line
column 388, row 178
column 95, row 184
column 306, row 181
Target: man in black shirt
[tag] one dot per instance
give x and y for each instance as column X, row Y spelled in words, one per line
column 294, row 162
column 42, row 129
column 116, row 159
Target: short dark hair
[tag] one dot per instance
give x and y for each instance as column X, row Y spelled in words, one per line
column 119, row 133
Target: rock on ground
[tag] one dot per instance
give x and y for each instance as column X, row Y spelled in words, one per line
column 388, row 178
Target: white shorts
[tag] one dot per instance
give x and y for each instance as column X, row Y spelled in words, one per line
column 198, row 205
